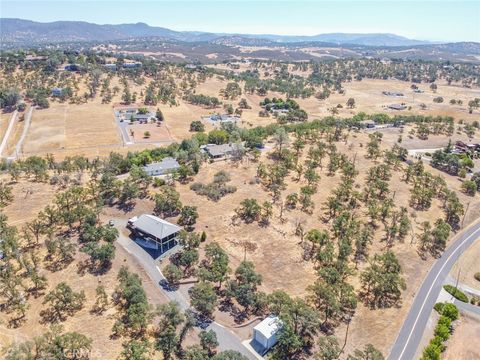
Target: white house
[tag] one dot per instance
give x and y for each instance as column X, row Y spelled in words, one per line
column 265, row 333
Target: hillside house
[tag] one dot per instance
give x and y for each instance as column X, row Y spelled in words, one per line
column 168, row 165
column 153, row 232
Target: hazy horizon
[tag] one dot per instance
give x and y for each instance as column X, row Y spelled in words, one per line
column 424, row 20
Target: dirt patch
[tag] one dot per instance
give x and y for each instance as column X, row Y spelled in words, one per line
column 467, row 266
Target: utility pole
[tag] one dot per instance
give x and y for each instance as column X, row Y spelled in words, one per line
column 465, row 214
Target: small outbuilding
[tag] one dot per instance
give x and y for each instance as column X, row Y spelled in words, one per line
column 265, row 334
column 168, row 165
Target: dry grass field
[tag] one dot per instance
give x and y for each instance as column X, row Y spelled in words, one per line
column 89, row 129
column 70, row 127
column 463, row 344
column 158, row 133
column 38, row 195
column 277, row 253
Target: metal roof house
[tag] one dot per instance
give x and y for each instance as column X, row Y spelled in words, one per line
column 215, row 151
column 167, row 166
column 142, row 117
column 397, row 107
column 265, row 334
column 154, row 233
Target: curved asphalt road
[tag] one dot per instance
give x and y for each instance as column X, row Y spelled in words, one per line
column 412, row 330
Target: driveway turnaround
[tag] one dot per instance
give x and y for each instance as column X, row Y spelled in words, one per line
column 227, row 340
column 412, row 330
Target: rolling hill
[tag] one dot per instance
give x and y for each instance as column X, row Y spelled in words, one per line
column 23, row 31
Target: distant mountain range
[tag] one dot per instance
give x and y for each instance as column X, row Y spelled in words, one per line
column 26, row 31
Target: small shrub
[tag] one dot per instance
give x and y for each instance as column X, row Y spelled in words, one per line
column 157, row 182
column 450, row 311
column 444, row 320
column 442, row 331
column 197, row 126
column 477, row 276
column 431, row 352
column 439, row 307
column 221, row 177
column 457, row 294
column 215, row 190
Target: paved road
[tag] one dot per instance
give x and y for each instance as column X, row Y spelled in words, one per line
column 474, row 309
column 227, row 339
column 412, row 330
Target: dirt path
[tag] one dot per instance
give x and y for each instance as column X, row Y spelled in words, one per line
column 8, row 132
column 26, row 126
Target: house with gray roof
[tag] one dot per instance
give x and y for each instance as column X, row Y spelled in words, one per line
column 222, row 151
column 167, row 166
column 154, row 232
column 397, row 107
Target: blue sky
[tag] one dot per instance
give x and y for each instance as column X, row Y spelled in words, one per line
column 424, row 19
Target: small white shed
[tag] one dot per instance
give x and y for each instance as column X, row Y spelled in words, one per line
column 265, row 333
